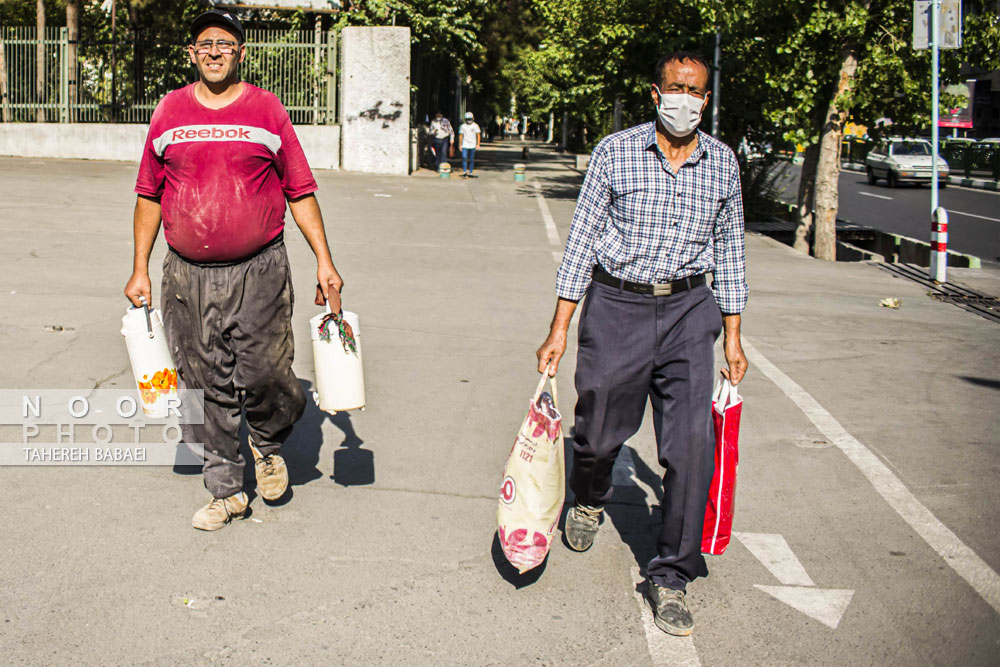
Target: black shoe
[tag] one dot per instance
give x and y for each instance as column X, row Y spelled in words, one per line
column 670, row 612
column 582, row 522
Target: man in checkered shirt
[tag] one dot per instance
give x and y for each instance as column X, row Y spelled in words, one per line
column 660, row 209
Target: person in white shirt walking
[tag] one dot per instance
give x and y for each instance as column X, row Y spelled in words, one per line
column 471, row 135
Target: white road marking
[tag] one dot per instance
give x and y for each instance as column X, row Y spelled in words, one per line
column 972, row 215
column 550, row 224
column 664, row 650
column 774, row 553
column 872, row 194
column 966, row 563
column 824, row 605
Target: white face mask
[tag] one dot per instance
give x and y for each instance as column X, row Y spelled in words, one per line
column 680, row 113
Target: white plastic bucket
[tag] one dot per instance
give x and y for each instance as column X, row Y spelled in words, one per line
column 340, row 378
column 152, row 366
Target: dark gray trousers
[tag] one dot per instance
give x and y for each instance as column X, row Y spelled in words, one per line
column 229, row 330
column 631, row 348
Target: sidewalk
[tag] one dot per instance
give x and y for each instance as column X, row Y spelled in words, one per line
column 386, row 553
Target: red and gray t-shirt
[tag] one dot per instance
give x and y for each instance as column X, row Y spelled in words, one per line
column 222, row 175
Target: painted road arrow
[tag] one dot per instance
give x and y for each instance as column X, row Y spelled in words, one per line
column 824, row 605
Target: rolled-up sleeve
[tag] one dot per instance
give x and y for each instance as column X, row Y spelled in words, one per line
column 729, row 285
column 589, row 220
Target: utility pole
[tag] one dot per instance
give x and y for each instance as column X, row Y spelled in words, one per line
column 934, row 21
column 715, row 84
column 935, row 86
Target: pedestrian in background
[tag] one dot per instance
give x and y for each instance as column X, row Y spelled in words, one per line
column 471, row 136
column 660, row 209
column 442, row 139
column 220, row 163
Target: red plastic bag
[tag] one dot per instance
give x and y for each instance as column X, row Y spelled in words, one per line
column 727, row 406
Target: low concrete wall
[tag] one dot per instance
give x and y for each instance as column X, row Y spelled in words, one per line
column 106, row 141
column 321, row 144
column 88, row 141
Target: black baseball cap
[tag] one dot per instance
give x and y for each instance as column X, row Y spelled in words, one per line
column 218, row 17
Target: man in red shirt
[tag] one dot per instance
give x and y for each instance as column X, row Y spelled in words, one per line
column 220, row 161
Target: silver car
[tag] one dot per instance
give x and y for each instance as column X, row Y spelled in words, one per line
column 904, row 160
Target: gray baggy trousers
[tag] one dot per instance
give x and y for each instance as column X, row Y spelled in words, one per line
column 633, row 348
column 229, row 330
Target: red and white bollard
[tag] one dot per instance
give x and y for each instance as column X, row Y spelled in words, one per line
column 939, row 245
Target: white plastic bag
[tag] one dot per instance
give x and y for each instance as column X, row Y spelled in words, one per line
column 533, row 487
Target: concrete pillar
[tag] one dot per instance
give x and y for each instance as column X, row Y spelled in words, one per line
column 375, row 99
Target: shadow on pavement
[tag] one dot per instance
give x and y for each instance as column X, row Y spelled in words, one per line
column 635, row 520
column 508, row 572
column 981, row 382
column 554, row 187
column 352, row 465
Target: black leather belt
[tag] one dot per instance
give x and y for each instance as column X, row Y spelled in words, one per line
column 656, row 289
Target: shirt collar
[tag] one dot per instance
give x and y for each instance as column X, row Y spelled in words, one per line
column 699, row 150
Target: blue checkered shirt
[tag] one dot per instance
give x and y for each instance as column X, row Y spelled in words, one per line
column 645, row 223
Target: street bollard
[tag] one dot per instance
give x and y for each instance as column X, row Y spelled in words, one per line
column 939, row 246
column 519, row 172
column 444, row 171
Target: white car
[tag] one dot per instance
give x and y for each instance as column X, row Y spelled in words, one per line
column 904, row 160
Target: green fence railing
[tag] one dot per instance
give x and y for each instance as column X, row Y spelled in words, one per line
column 123, row 81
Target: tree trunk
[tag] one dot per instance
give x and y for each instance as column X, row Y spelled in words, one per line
column 40, row 97
column 73, row 32
column 828, row 168
column 806, row 199
column 4, row 88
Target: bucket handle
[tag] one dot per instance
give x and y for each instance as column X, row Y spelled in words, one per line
column 149, row 322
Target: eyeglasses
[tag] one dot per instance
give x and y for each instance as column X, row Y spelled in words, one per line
column 225, row 46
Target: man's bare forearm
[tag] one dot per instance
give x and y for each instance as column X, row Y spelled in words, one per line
column 145, row 227
column 731, row 326
column 563, row 315
column 305, row 211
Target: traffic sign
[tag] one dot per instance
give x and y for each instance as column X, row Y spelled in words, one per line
column 949, row 27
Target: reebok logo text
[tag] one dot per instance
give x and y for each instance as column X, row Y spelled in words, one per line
column 192, row 133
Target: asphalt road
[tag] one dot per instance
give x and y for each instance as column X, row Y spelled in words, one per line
column 974, row 215
column 867, row 500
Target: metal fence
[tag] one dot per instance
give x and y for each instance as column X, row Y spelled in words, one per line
column 123, row 81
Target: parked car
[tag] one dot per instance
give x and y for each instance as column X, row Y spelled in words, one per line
column 904, row 160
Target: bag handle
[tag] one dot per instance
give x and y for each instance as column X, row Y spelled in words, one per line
column 541, row 386
column 725, row 393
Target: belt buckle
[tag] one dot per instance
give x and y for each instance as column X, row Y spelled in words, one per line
column 663, row 289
